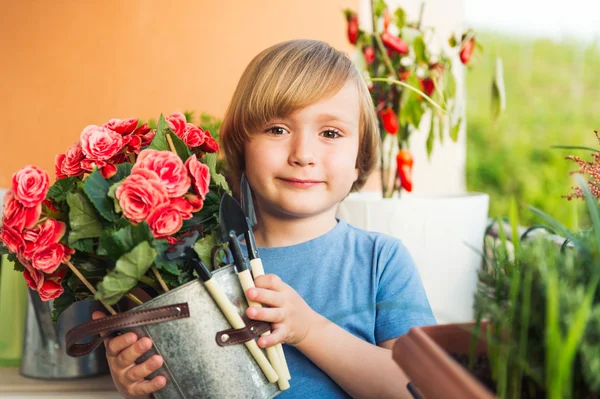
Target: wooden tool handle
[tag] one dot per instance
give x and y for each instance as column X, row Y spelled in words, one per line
column 258, row 270
column 236, row 321
column 247, row 283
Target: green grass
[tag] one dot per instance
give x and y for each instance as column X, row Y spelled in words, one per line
column 552, row 98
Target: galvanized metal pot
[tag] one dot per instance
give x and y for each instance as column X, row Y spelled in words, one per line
column 195, row 366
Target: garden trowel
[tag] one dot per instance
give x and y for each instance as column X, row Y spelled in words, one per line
column 234, row 224
column 255, row 262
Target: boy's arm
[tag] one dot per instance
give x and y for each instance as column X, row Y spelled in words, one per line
column 363, row 370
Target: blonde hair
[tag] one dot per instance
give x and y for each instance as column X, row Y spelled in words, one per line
column 284, row 78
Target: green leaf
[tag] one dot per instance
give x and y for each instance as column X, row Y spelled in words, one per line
column 96, row 187
column 498, row 91
column 182, row 149
column 115, row 244
column 160, row 140
column 454, row 130
column 3, row 249
column 441, row 128
column 210, row 160
column 161, row 143
column 61, row 303
column 419, row 46
column 220, row 181
column 378, row 7
column 574, row 147
column 127, row 272
column 59, row 190
column 123, row 170
column 449, row 85
column 84, row 245
column 18, row 266
column 83, row 219
column 431, row 137
column 189, row 116
column 400, row 17
column 205, row 245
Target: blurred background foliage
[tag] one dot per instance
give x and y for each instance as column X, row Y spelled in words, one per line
column 552, row 98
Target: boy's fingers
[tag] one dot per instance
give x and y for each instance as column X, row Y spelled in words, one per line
column 129, row 355
column 269, row 281
column 276, row 337
column 118, row 344
column 147, row 387
column 141, row 371
column 270, row 315
column 266, row 297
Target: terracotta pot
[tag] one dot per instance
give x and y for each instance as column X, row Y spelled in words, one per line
column 423, row 354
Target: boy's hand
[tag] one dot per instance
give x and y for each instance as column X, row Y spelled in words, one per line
column 129, row 377
column 289, row 315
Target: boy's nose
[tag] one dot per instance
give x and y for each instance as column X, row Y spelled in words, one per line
column 301, row 152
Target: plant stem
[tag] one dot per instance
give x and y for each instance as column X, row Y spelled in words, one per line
column 148, row 281
column 422, row 9
column 160, row 280
column 403, row 84
column 134, row 298
column 88, row 285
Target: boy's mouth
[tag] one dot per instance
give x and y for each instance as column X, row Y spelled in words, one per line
column 300, row 183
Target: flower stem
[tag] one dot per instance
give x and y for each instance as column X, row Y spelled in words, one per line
column 88, row 285
column 160, row 280
column 403, row 84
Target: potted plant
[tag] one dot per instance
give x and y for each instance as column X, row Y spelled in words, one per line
column 113, row 203
column 537, row 333
column 414, row 89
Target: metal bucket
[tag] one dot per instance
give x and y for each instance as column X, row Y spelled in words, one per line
column 194, row 365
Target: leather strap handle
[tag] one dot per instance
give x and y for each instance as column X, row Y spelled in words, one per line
column 251, row 330
column 112, row 324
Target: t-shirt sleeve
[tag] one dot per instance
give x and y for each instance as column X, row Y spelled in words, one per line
column 401, row 299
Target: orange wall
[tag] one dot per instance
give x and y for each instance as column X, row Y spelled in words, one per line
column 67, row 64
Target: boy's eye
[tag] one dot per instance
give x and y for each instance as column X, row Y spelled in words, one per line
column 331, row 134
column 276, row 130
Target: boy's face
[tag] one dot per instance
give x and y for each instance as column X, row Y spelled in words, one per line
column 303, row 165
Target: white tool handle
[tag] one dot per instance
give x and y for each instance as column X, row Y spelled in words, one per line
column 272, row 353
column 231, row 314
column 258, row 270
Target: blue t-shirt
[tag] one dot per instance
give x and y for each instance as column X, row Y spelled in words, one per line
column 365, row 282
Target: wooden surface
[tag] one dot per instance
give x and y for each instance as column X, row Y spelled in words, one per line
column 13, row 382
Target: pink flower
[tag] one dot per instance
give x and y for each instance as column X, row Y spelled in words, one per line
column 183, row 206
column 108, row 171
column 33, row 278
column 51, row 286
column 140, row 193
column 59, row 159
column 176, row 122
column 49, row 258
column 71, row 165
column 100, row 143
column 148, row 137
column 88, row 164
column 17, row 216
column 193, row 136
column 30, row 186
column 200, row 175
column 48, row 233
column 12, row 239
column 165, row 220
column 195, row 202
column 122, row 127
column 168, row 166
column 209, row 145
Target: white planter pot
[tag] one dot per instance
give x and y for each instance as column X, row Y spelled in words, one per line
column 444, row 234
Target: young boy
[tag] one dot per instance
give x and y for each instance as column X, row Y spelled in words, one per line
column 302, row 126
